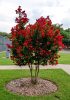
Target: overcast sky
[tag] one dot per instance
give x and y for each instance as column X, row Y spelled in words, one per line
column 58, row 10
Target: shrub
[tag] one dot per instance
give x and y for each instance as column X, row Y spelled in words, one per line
column 36, row 44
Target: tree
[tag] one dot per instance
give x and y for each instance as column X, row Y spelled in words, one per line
column 4, row 34
column 36, row 44
column 66, row 39
column 66, row 35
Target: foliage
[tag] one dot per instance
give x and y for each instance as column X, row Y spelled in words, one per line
column 66, row 35
column 66, row 39
column 64, row 59
column 35, row 44
column 4, row 34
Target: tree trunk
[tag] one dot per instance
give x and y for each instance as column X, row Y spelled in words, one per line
column 34, row 78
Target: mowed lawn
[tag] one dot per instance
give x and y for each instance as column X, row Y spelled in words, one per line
column 56, row 75
column 64, row 59
column 4, row 60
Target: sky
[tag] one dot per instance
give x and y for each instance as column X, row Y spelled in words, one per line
column 57, row 10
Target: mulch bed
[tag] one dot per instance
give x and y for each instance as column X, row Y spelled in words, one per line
column 23, row 86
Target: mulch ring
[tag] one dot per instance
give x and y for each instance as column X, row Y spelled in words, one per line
column 23, row 86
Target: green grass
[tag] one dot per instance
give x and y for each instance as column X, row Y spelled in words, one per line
column 64, row 58
column 4, row 60
column 2, row 54
column 58, row 76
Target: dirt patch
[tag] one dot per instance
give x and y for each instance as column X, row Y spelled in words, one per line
column 24, row 86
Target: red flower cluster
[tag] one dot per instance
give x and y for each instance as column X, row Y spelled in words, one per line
column 39, row 42
column 22, row 16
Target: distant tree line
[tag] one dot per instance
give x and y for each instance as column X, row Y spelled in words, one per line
column 4, row 34
column 66, row 39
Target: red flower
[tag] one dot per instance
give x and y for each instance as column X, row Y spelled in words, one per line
column 12, row 29
column 24, row 20
column 50, row 33
column 57, row 31
column 43, row 34
column 19, row 49
column 26, row 43
column 19, row 9
column 48, row 43
column 17, row 20
column 20, row 55
column 31, row 48
column 59, row 37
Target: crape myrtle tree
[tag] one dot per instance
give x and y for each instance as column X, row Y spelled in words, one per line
column 35, row 44
column 66, row 35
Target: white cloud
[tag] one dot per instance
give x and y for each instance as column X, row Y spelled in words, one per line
column 57, row 9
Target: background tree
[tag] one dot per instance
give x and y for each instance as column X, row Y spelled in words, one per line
column 66, row 39
column 4, row 34
column 36, row 44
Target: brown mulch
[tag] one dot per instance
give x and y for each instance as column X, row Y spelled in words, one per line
column 24, row 86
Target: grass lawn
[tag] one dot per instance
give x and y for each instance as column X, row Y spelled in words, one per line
column 2, row 54
column 58, row 76
column 64, row 58
column 4, row 60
